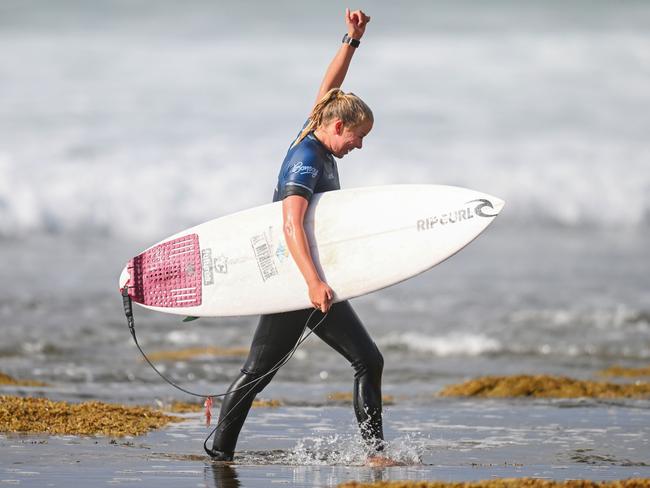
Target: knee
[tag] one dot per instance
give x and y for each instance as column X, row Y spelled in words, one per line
column 378, row 363
column 371, row 364
column 257, row 380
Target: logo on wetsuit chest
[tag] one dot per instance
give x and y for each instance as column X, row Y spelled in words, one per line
column 304, row 169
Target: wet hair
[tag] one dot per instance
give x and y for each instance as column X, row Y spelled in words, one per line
column 336, row 104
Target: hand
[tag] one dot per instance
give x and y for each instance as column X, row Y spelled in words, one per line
column 320, row 295
column 356, row 22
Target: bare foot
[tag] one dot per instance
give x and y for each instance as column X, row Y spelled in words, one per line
column 382, row 462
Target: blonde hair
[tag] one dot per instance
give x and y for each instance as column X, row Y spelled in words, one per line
column 336, row 104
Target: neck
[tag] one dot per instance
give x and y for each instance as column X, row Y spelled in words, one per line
column 322, row 137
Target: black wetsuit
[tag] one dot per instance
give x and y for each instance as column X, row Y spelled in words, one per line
column 308, row 168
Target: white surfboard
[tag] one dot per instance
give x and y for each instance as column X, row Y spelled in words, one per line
column 362, row 240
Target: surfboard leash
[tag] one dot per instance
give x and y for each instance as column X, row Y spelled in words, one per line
column 130, row 320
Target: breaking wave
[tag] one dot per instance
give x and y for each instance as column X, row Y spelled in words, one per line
column 451, row 345
column 133, row 136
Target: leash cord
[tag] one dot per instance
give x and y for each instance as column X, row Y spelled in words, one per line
column 128, row 311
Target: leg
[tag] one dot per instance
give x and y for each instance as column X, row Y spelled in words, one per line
column 344, row 332
column 275, row 336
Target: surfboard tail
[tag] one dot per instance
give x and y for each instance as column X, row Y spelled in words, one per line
column 166, row 275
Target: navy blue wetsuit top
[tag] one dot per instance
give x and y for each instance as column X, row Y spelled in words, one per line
column 308, row 168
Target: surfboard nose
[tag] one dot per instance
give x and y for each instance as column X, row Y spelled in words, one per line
column 497, row 203
column 485, row 205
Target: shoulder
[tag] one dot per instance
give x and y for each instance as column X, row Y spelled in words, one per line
column 305, row 158
column 311, row 147
column 301, row 170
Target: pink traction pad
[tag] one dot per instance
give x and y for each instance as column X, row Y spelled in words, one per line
column 167, row 275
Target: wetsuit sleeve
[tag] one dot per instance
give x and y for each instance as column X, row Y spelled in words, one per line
column 300, row 178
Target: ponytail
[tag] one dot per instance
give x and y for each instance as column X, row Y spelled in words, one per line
column 336, row 104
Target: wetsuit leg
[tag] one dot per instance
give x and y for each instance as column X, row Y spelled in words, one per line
column 275, row 336
column 344, row 332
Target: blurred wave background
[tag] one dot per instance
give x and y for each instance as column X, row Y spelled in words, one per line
column 138, row 118
column 122, row 122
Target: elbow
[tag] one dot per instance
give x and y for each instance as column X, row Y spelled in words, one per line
column 293, row 211
column 289, row 229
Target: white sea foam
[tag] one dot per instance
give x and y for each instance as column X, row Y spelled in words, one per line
column 448, row 345
column 618, row 332
column 597, row 332
column 183, row 338
column 127, row 136
column 350, row 450
column 604, row 319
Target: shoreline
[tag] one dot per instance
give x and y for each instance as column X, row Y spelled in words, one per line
column 102, row 417
column 449, row 440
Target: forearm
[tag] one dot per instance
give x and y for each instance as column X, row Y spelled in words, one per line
column 337, row 69
column 298, row 244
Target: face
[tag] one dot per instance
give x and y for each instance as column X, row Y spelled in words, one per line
column 344, row 139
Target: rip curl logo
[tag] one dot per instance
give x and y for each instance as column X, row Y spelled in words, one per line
column 303, row 169
column 482, row 203
column 469, row 211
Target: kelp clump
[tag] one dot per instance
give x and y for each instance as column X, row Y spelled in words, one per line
column 503, row 483
column 188, row 407
column 543, row 386
column 8, row 380
column 184, row 407
column 267, row 403
column 346, row 397
column 43, row 416
column 197, row 352
column 623, row 372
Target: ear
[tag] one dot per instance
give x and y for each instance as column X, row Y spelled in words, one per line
column 338, row 127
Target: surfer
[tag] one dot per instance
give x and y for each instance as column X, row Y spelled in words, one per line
column 337, row 124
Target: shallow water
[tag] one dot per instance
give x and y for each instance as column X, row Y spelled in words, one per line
column 566, row 302
column 489, row 310
column 315, row 446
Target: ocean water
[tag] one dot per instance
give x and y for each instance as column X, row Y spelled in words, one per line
column 124, row 122
column 135, row 119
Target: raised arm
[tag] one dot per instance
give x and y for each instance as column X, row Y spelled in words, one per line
column 293, row 213
column 356, row 23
